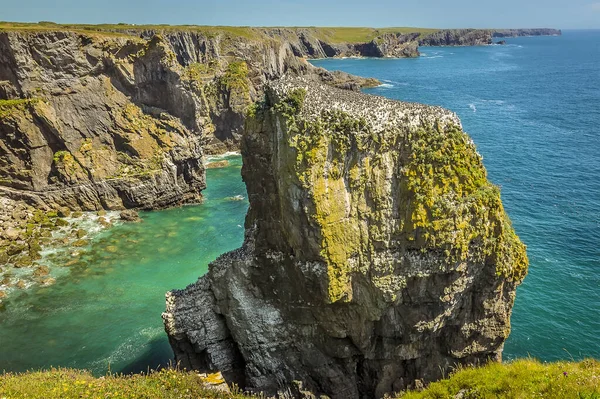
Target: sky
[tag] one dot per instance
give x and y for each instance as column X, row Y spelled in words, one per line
column 563, row 14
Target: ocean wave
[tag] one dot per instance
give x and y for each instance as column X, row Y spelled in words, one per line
column 473, row 107
column 386, row 85
column 132, row 347
column 495, row 102
column 220, row 157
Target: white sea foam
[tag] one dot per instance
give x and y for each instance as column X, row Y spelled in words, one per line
column 386, row 85
column 473, row 107
column 130, row 348
column 213, row 158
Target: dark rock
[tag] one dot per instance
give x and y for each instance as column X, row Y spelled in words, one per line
column 130, row 215
column 80, row 243
column 526, row 32
column 61, row 223
column 217, row 164
column 64, row 212
column 41, row 271
column 46, row 282
column 16, row 249
column 23, row 261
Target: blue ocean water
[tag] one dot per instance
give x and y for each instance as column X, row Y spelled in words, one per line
column 533, row 109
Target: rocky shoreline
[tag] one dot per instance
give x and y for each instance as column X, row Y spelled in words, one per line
column 37, row 246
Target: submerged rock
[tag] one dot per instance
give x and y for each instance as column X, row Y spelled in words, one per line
column 41, row 271
column 377, row 256
column 217, row 164
column 130, row 215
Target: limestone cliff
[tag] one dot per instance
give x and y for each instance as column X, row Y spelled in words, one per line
column 111, row 120
column 376, row 255
column 527, row 32
column 115, row 116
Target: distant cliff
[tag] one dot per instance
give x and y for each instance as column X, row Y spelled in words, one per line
column 377, row 256
column 478, row 37
column 527, row 32
column 92, row 121
column 120, row 116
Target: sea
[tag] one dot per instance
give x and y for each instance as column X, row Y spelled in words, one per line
column 532, row 107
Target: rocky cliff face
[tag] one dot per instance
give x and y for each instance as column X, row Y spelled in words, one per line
column 121, row 117
column 377, row 255
column 92, row 121
column 478, row 37
column 527, row 32
column 458, row 37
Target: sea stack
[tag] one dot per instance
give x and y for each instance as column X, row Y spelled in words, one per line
column 377, row 256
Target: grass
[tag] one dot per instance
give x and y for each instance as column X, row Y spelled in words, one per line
column 75, row 384
column 9, row 107
column 329, row 34
column 361, row 35
column 525, row 378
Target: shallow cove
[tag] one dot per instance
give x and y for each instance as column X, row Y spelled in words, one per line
column 105, row 313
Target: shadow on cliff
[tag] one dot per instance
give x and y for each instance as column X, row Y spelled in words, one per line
column 158, row 356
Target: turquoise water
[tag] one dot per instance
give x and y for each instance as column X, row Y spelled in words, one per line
column 533, row 109
column 105, row 313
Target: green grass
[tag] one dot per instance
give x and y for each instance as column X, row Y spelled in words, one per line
column 524, row 378
column 332, row 35
column 75, row 384
column 361, row 35
column 10, row 107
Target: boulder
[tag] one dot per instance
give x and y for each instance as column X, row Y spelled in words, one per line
column 130, row 215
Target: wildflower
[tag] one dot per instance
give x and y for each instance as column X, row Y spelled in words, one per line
column 565, row 373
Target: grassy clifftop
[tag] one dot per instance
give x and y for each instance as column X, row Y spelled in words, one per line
column 525, row 378
column 520, row 379
column 330, row 34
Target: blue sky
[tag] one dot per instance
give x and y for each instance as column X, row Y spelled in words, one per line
column 565, row 14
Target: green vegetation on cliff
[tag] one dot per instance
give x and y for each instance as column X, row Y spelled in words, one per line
column 451, row 195
column 443, row 200
column 334, row 35
column 524, row 379
column 10, row 107
column 236, row 77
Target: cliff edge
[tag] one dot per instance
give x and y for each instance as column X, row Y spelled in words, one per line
column 377, row 256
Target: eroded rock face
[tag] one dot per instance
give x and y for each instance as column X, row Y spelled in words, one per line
column 122, row 120
column 377, row 255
